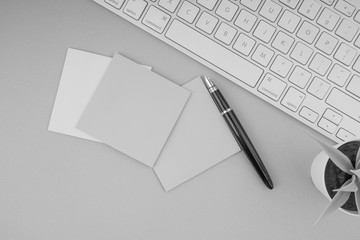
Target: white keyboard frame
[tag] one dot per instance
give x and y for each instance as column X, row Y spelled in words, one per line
column 346, row 123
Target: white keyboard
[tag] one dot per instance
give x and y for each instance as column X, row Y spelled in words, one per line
column 301, row 56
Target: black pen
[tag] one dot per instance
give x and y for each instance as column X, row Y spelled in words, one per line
column 238, row 131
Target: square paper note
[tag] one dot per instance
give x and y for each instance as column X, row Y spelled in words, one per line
column 199, row 140
column 133, row 110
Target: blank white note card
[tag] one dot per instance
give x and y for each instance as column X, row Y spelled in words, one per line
column 200, row 140
column 133, row 110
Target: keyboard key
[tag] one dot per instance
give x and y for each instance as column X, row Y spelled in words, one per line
column 293, row 99
column 225, row 33
column 156, row 19
column 345, row 54
column 283, row 42
column 356, row 65
column 301, row 53
column 209, row 4
column 354, row 86
column 326, row 43
column 270, row 10
column 318, row 88
column 320, row 64
column 263, row 55
column 300, row 77
column 281, row 66
column 135, row 8
column 115, row 3
column 219, row 56
column 357, row 42
column 328, row 19
column 327, row 125
column 245, row 20
column 289, row 21
column 188, row 12
column 339, row 75
column 345, row 135
column 272, row 87
column 264, row 31
column 207, row 22
column 251, row 4
column 308, row 114
column 244, row 44
column 328, row 2
column 226, row 10
column 290, row 3
column 169, row 5
column 344, row 103
column 345, row 8
column 309, row 9
column 357, row 17
column 308, row 32
column 347, row 30
column 332, row 116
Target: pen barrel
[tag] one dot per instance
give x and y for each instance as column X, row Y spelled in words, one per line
column 220, row 101
column 247, row 147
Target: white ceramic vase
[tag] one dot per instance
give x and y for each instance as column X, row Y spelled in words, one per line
column 318, row 167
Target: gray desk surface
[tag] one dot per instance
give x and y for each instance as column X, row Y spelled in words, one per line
column 54, row 186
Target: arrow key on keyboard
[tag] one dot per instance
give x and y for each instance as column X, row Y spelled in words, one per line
column 308, row 114
column 332, row 116
column 327, row 125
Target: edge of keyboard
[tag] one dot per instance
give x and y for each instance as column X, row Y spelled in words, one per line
column 253, row 88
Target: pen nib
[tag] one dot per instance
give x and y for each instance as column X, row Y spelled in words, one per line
column 208, row 83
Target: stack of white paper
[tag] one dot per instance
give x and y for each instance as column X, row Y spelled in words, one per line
column 141, row 114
